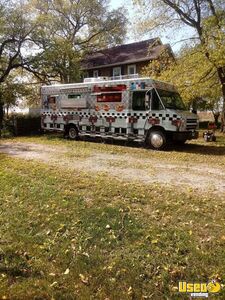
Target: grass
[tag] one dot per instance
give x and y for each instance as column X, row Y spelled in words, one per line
column 68, row 235
column 197, row 150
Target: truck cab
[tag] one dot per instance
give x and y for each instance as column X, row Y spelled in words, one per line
column 180, row 124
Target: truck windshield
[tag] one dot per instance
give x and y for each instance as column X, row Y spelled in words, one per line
column 171, row 100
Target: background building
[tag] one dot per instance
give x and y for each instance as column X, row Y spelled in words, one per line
column 125, row 59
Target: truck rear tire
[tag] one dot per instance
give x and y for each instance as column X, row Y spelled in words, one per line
column 72, row 133
column 157, row 140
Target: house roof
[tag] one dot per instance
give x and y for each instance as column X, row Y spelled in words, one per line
column 128, row 53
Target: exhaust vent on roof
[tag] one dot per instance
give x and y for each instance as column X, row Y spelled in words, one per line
column 94, row 79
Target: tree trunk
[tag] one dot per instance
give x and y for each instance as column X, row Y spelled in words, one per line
column 1, row 117
column 222, row 128
column 1, row 111
column 220, row 70
column 221, row 75
column 7, row 111
column 216, row 118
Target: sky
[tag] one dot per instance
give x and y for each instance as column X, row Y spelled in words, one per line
column 117, row 3
column 129, row 6
column 171, row 37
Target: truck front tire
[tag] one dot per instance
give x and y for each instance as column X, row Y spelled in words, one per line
column 157, row 140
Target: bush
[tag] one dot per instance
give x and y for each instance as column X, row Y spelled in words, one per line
column 204, row 125
column 22, row 125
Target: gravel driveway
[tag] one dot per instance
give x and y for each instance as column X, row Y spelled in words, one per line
column 124, row 167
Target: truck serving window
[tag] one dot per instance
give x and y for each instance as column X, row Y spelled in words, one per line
column 171, row 100
column 138, row 101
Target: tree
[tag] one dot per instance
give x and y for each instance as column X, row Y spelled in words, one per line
column 206, row 17
column 48, row 38
column 10, row 92
column 19, row 89
column 73, row 28
column 198, row 85
column 15, row 39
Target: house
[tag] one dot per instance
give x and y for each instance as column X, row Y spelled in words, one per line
column 125, row 59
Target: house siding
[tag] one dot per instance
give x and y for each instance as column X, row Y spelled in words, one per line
column 139, row 54
column 108, row 71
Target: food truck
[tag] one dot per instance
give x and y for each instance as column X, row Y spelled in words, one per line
column 135, row 109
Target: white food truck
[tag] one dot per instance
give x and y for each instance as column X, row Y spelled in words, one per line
column 136, row 109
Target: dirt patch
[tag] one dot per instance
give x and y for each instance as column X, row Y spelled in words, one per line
column 124, row 167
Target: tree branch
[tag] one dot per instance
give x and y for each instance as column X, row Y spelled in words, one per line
column 184, row 17
column 8, row 41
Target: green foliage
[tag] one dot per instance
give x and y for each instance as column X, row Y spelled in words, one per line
column 70, row 29
column 49, row 38
column 22, row 125
column 12, row 90
column 15, row 37
column 200, row 70
column 157, row 67
column 193, row 75
column 16, row 40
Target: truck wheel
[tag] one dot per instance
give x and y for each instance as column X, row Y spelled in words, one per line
column 157, row 140
column 72, row 133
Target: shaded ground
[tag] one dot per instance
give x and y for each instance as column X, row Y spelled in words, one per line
column 186, row 174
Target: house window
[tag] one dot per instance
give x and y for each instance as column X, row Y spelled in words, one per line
column 95, row 73
column 131, row 69
column 117, row 72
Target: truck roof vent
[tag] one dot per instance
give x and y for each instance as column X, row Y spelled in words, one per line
column 95, row 79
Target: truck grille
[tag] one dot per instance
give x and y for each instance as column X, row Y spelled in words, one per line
column 191, row 124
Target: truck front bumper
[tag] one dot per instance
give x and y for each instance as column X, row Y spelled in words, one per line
column 186, row 135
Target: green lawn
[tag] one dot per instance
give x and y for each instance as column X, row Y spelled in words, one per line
column 196, row 150
column 68, row 235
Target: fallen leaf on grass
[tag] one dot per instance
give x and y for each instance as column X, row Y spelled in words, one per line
column 130, row 291
column 84, row 279
column 154, row 241
column 67, row 271
column 54, row 284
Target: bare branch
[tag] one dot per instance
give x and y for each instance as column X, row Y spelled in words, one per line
column 184, row 17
